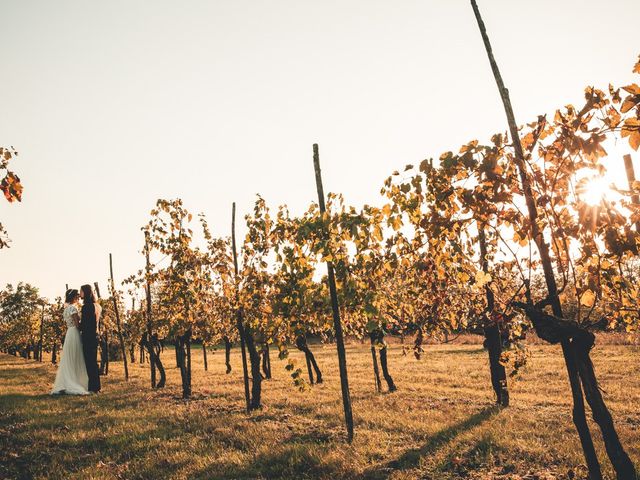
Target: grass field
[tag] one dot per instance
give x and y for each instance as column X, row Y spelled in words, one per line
column 440, row 424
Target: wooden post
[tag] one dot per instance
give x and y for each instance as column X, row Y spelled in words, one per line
column 104, row 357
column 117, row 313
column 54, row 348
column 337, row 324
column 204, row 355
column 40, row 344
column 239, row 320
column 579, row 416
column 132, row 341
column 631, row 178
column 577, row 369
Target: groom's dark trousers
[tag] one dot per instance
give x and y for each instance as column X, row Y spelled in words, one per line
column 89, row 332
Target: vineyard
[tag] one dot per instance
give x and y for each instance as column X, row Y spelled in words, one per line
column 441, row 423
column 459, row 326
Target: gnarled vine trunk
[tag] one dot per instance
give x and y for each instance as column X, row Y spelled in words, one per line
column 152, row 346
column 378, row 344
column 157, row 348
column 227, row 353
column 492, row 338
column 493, row 344
column 622, row 464
column 577, row 343
column 183, row 353
column 312, row 365
column 256, row 374
column 266, row 361
column 385, row 369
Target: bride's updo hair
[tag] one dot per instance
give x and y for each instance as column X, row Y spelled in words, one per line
column 89, row 297
column 71, row 295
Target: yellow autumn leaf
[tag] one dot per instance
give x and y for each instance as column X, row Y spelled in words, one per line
column 396, row 222
column 482, row 279
column 633, row 89
column 377, row 233
column 522, row 241
column 631, row 129
column 587, row 298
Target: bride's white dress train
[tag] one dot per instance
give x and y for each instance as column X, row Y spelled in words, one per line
column 72, row 376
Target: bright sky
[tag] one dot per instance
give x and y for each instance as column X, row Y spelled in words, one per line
column 115, row 104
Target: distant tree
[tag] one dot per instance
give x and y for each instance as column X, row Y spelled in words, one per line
column 20, row 315
column 54, row 328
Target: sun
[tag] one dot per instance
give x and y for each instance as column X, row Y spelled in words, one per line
column 594, row 190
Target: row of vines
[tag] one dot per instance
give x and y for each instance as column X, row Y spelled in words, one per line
column 495, row 239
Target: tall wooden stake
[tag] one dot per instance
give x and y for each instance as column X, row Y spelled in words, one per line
column 117, row 312
column 239, row 320
column 579, row 416
column 337, row 324
column 631, row 178
column 104, row 356
column 40, row 345
column 579, row 366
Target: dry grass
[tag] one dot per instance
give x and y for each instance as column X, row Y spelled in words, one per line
column 441, row 424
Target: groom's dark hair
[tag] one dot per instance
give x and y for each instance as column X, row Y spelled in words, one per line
column 89, row 297
column 70, row 295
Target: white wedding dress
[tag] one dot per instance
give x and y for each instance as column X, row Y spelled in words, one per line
column 72, row 376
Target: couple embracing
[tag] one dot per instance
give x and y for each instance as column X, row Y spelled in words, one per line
column 78, row 371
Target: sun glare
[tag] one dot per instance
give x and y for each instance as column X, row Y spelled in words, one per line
column 594, row 191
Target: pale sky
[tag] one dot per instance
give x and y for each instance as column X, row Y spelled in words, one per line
column 113, row 104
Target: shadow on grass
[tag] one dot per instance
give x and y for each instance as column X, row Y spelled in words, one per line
column 95, row 439
column 86, row 435
column 303, row 457
column 473, row 459
column 411, row 458
column 298, row 461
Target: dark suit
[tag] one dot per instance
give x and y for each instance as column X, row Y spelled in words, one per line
column 89, row 331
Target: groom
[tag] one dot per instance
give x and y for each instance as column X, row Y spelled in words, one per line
column 89, row 330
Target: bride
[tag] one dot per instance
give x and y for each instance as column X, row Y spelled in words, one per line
column 72, row 376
